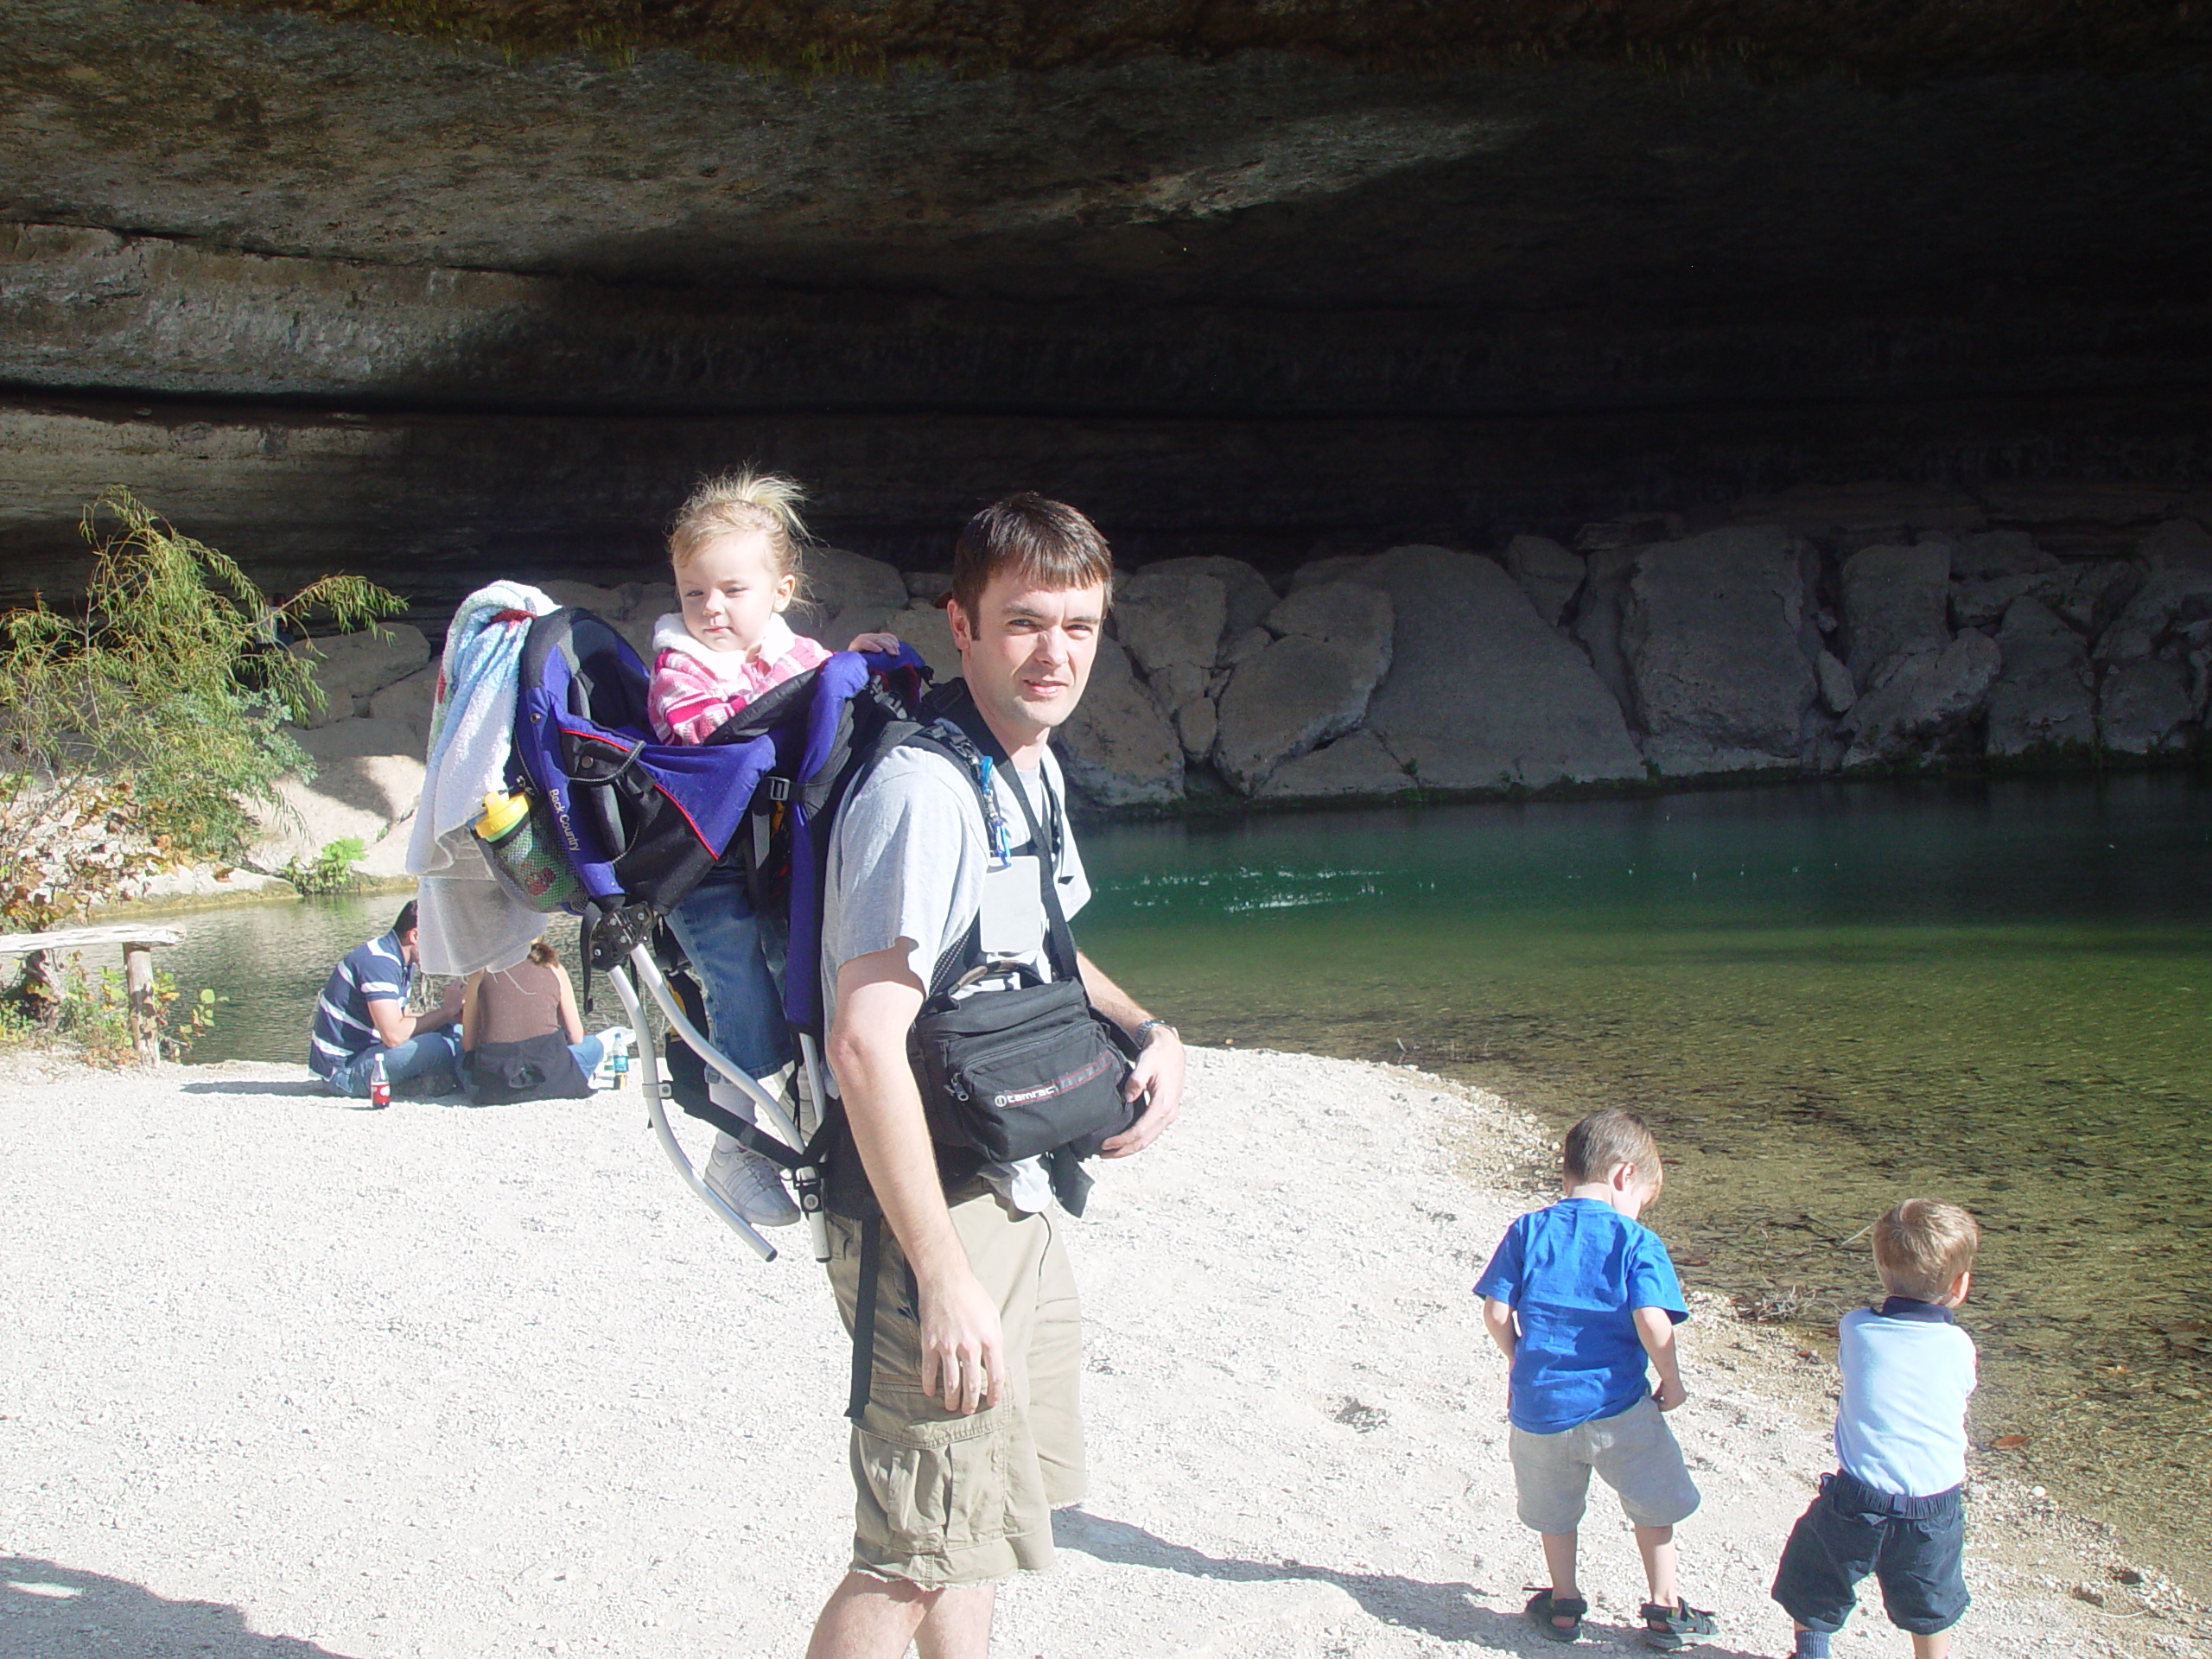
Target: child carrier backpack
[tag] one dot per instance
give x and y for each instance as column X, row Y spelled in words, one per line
column 640, row 822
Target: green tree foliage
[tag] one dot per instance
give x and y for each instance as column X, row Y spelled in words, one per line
column 148, row 726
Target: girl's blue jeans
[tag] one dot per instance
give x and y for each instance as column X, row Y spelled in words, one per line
column 716, row 926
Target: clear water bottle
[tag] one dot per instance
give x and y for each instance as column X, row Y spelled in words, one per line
column 379, row 1085
column 621, row 1065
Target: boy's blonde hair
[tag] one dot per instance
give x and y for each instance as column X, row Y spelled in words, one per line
column 742, row 500
column 1922, row 1246
column 1604, row 1140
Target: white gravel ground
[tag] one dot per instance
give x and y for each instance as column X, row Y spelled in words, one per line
column 280, row 1377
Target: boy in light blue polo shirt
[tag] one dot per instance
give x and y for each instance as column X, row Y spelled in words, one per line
column 1582, row 1297
column 1892, row 1508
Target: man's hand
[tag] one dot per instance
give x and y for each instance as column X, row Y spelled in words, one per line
column 1670, row 1394
column 963, row 1352
column 449, row 1006
column 1159, row 1070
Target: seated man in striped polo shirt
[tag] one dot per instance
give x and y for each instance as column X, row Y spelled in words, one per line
column 362, row 1018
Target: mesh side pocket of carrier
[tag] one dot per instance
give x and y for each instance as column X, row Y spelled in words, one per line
column 527, row 860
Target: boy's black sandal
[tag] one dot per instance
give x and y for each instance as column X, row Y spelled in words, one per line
column 1543, row 1607
column 1668, row 1628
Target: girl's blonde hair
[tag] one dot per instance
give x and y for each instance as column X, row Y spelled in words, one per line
column 543, row 953
column 742, row 500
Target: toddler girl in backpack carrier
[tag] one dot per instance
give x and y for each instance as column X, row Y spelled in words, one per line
column 734, row 550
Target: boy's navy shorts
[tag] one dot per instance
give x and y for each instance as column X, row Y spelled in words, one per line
column 1911, row 1545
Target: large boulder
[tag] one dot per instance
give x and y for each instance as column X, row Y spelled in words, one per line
column 2095, row 592
column 1597, row 619
column 612, row 603
column 1172, row 622
column 1996, row 553
column 928, row 629
column 1334, row 567
column 1357, row 764
column 1298, row 693
column 368, row 779
column 1896, row 600
column 1482, row 692
column 1248, row 594
column 1982, row 601
column 1923, row 699
column 843, row 594
column 2179, row 542
column 2144, row 707
column 1118, row 747
column 409, row 700
column 647, row 602
column 1548, row 573
column 1197, row 722
column 1838, row 691
column 350, row 667
column 1712, row 637
column 2170, row 597
column 1351, row 615
column 2044, row 695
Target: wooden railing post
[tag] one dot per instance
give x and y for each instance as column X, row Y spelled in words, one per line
column 138, row 983
column 138, row 940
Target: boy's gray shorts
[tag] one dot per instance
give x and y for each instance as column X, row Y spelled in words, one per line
column 1633, row 1452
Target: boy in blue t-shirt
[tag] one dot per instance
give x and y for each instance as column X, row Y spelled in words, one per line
column 1580, row 1297
column 1892, row 1508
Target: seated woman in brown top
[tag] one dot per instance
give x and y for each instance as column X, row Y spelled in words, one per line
column 522, row 1036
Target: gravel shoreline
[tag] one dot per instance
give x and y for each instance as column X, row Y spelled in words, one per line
column 283, row 1378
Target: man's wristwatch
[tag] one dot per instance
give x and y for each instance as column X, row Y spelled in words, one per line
column 1146, row 1026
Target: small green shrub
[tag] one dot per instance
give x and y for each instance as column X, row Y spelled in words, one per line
column 145, row 729
column 330, row 870
column 91, row 1009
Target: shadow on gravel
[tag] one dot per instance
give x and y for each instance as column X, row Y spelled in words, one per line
column 1447, row 1611
column 243, row 1086
column 57, row 1613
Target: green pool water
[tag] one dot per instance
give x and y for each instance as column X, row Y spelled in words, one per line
column 1824, row 999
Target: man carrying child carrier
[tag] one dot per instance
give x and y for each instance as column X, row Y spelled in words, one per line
column 967, row 1430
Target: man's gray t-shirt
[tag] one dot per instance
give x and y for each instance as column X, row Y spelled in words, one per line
column 910, row 866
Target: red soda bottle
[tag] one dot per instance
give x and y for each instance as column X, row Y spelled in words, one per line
column 379, row 1086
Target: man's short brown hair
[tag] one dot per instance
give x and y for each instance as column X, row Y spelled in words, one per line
column 1922, row 1246
column 1604, row 1140
column 1045, row 543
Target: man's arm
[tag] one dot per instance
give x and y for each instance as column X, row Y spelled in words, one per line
column 1159, row 1068
column 963, row 1353
column 394, row 1026
column 1655, row 1329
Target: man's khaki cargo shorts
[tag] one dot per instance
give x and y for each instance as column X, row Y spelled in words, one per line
column 943, row 1499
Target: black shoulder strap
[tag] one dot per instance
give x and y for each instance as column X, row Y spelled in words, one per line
column 959, row 728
